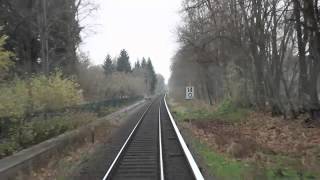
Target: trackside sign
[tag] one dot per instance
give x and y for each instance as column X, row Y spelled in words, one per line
column 189, row 92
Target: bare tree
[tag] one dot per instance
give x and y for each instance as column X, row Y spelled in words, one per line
column 254, row 42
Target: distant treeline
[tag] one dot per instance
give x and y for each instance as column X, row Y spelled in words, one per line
column 116, row 77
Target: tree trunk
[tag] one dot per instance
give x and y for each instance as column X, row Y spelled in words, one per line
column 312, row 13
column 303, row 79
column 275, row 66
column 44, row 37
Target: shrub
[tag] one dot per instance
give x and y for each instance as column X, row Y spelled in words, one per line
column 14, row 99
column 103, row 111
column 7, row 148
column 53, row 92
column 229, row 110
column 226, row 106
column 226, row 110
column 39, row 130
column 39, row 93
column 43, row 130
column 5, row 62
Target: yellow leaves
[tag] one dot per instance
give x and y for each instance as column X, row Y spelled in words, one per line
column 37, row 94
column 5, row 62
column 54, row 92
column 13, row 99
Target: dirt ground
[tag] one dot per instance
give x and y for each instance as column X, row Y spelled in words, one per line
column 260, row 136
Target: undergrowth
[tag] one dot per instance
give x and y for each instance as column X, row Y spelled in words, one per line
column 228, row 168
column 38, row 130
column 223, row 165
column 197, row 111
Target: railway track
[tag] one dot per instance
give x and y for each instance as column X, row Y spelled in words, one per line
column 154, row 150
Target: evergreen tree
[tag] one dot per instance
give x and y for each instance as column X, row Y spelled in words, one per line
column 137, row 65
column 40, row 46
column 143, row 63
column 151, row 76
column 108, row 66
column 123, row 64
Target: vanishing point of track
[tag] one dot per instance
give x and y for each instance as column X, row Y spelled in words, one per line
column 154, row 150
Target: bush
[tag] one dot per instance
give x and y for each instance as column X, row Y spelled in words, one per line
column 103, row 111
column 39, row 93
column 14, row 98
column 96, row 85
column 226, row 106
column 229, row 110
column 39, row 130
column 5, row 62
column 7, row 148
column 54, row 92
column 122, row 84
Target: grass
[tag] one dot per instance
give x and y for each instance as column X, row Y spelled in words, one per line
column 284, row 167
column 66, row 167
column 223, row 167
column 225, row 111
column 63, row 166
column 219, row 165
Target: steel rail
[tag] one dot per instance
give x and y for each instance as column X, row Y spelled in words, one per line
column 192, row 163
column 107, row 175
column 160, row 147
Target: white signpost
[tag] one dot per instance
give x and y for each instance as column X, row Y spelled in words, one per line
column 189, row 92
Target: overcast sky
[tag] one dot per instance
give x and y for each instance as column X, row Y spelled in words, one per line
column 142, row 27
